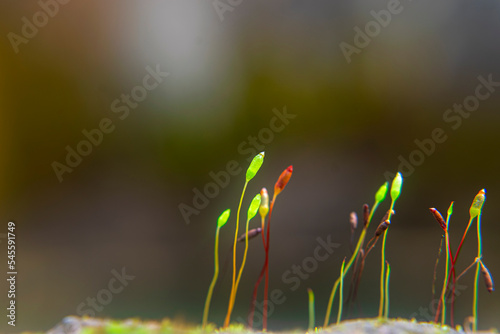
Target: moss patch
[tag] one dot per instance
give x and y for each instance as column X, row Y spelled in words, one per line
column 75, row 325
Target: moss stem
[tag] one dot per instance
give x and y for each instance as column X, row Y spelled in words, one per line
column 387, row 276
column 229, row 310
column 348, row 266
column 312, row 320
column 382, row 267
column 341, row 292
column 214, row 279
column 476, row 279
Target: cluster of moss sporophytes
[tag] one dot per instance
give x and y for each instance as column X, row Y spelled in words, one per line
column 361, row 252
column 260, row 203
column 356, row 262
column 450, row 278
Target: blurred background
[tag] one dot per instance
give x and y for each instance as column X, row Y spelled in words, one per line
column 180, row 89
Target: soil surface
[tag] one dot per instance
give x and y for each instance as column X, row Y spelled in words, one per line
column 75, row 325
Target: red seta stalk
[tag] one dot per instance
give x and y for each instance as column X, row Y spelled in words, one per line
column 266, row 266
column 452, row 309
column 452, row 278
column 262, row 272
column 475, row 212
column 278, row 188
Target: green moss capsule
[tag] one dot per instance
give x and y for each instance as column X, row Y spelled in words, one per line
column 381, row 193
column 397, row 183
column 254, row 207
column 223, row 218
column 477, row 203
column 255, row 166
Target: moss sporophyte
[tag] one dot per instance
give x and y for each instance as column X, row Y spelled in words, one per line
column 252, row 211
column 451, row 278
column 278, row 188
column 367, row 217
column 252, row 170
column 262, row 204
column 312, row 320
column 347, row 292
column 220, row 222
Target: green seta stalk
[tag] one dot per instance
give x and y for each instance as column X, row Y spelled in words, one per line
column 220, row 222
column 379, row 198
column 252, row 211
column 397, row 183
column 476, row 211
column 312, row 321
column 252, row 170
column 341, row 292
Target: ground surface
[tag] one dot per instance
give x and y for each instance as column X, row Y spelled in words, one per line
column 74, row 325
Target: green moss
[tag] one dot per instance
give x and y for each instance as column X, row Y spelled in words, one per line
column 135, row 326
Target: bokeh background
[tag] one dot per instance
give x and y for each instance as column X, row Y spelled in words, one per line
column 119, row 207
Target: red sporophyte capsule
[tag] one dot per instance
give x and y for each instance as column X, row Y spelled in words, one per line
column 251, row 234
column 353, row 220
column 283, row 180
column 382, row 227
column 439, row 218
column 386, row 216
column 366, row 214
column 488, row 280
